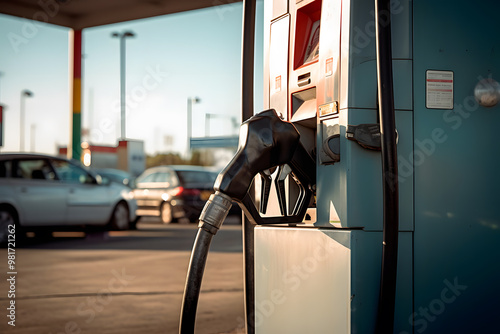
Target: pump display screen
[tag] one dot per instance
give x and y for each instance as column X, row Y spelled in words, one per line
column 312, row 49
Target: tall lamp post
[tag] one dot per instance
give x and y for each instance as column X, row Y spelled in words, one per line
column 190, row 102
column 32, row 137
column 24, row 94
column 122, row 36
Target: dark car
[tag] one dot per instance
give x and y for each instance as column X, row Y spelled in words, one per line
column 173, row 192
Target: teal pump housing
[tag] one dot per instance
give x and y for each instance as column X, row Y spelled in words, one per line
column 323, row 276
column 456, row 241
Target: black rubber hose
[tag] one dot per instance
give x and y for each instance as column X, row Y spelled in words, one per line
column 387, row 296
column 194, row 278
column 211, row 218
column 247, row 111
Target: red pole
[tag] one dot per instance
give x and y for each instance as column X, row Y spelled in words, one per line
column 76, row 118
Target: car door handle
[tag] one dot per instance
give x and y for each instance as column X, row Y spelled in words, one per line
column 71, row 191
column 24, row 190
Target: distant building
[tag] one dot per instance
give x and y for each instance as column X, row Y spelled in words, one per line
column 128, row 155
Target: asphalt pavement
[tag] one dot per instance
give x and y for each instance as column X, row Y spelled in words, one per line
column 120, row 282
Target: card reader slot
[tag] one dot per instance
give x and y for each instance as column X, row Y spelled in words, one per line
column 304, row 79
column 304, row 107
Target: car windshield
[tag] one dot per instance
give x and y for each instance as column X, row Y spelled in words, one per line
column 195, row 177
column 146, row 177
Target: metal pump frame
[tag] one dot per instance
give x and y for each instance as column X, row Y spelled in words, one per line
column 218, row 205
column 385, row 315
column 247, row 111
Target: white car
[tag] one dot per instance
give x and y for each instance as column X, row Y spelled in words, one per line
column 40, row 191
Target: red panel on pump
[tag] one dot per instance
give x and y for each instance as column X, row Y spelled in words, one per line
column 307, row 26
column 305, row 50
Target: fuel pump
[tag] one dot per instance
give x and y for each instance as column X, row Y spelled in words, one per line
column 355, row 227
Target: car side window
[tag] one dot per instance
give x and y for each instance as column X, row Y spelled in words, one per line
column 5, row 168
column 69, row 173
column 35, row 169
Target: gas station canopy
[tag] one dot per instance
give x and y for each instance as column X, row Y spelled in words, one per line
column 80, row 14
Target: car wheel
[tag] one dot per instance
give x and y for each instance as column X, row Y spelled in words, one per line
column 133, row 224
column 7, row 218
column 194, row 218
column 120, row 218
column 166, row 213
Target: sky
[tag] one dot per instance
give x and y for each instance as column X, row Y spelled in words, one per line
column 171, row 58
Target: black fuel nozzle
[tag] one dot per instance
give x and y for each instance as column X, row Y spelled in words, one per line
column 266, row 141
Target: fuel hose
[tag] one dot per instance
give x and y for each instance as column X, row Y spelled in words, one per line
column 211, row 219
column 388, row 277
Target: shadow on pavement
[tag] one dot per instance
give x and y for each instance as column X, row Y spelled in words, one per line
column 150, row 235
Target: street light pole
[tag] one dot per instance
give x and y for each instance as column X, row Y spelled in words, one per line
column 190, row 102
column 122, row 37
column 32, row 137
column 207, row 125
column 25, row 93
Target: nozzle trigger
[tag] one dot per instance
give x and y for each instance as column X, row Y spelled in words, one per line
column 266, row 179
column 283, row 172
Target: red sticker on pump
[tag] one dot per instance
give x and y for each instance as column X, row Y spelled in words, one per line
column 277, row 83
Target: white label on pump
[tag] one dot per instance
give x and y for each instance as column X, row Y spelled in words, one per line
column 439, row 89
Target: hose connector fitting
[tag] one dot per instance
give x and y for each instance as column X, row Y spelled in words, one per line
column 215, row 212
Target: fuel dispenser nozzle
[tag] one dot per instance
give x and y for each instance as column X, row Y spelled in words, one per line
column 266, row 142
